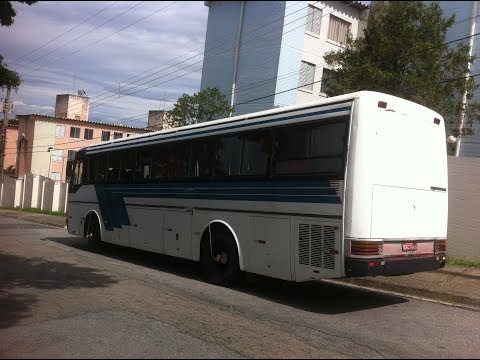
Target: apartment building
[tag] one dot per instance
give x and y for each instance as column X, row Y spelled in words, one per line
column 256, row 52
column 43, row 145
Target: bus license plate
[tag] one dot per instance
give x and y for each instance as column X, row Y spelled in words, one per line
column 409, row 246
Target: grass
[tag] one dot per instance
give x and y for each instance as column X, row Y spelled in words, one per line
column 38, row 211
column 462, row 262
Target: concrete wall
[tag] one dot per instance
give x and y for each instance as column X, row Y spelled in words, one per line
column 34, row 192
column 464, row 208
column 7, row 191
column 47, row 194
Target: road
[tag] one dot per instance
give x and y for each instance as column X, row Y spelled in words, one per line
column 58, row 300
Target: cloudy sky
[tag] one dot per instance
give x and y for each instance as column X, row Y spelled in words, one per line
column 124, row 54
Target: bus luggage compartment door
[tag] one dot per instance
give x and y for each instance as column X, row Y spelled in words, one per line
column 176, row 233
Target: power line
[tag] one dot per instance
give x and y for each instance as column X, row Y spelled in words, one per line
column 71, row 41
column 64, row 33
column 116, row 32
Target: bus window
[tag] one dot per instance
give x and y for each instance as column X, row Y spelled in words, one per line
column 256, row 150
column 328, row 139
column 144, row 165
column 78, row 173
column 317, row 150
column 114, row 167
column 228, row 154
column 128, row 166
column 201, row 161
column 180, row 160
column 160, row 160
column 97, row 168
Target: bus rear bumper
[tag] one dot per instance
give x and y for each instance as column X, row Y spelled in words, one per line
column 391, row 267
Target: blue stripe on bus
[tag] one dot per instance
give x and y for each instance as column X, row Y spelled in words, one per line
column 111, row 198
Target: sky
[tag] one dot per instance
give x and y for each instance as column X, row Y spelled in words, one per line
column 128, row 56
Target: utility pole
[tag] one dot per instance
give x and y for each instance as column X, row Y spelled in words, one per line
column 3, row 136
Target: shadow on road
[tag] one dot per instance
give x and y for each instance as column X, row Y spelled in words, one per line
column 17, row 273
column 313, row 296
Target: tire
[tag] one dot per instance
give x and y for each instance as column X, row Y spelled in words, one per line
column 93, row 235
column 224, row 271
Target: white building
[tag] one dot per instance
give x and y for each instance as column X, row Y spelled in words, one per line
column 254, row 49
column 467, row 24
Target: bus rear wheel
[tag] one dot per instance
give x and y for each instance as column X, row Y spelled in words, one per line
column 92, row 233
column 219, row 258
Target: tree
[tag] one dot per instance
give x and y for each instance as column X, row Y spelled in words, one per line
column 7, row 12
column 8, row 78
column 206, row 105
column 404, row 52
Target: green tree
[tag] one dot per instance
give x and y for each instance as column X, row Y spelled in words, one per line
column 206, row 105
column 7, row 12
column 404, row 52
column 8, row 78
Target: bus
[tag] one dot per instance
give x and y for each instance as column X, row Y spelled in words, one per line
column 351, row 185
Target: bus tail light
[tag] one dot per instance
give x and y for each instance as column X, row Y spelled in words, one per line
column 436, row 121
column 366, row 248
column 440, row 246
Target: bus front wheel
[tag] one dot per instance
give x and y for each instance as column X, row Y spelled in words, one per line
column 92, row 233
column 219, row 258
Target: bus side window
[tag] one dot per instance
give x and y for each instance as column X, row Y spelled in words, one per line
column 228, row 154
column 144, row 165
column 201, row 160
column 256, row 152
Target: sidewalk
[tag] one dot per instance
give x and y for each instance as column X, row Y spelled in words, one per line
column 459, row 285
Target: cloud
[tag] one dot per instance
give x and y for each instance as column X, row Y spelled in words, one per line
column 150, row 46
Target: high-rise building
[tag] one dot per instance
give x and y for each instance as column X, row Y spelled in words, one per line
column 257, row 51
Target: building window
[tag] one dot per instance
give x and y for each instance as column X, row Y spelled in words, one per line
column 338, row 29
column 57, row 155
column 128, row 135
column 56, row 176
column 105, row 135
column 75, row 132
column 307, row 76
column 88, row 135
column 117, row 135
column 71, row 154
column 60, row 131
column 326, row 80
column 313, row 19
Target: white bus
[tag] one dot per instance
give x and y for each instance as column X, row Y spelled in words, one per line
column 352, row 185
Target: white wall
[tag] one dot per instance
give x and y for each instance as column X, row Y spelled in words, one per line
column 34, row 191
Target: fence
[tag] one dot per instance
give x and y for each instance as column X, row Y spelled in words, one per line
column 464, row 208
column 34, row 191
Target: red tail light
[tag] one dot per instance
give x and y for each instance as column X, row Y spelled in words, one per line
column 436, row 121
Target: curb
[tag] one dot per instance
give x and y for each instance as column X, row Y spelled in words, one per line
column 424, row 293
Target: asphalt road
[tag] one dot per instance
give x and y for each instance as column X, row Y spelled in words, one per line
column 58, row 300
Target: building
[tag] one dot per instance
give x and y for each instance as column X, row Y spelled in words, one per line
column 256, row 51
column 43, row 145
column 72, row 106
column 467, row 25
